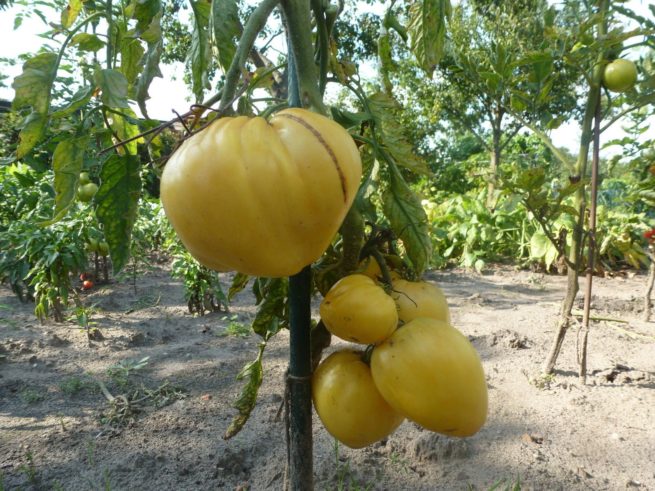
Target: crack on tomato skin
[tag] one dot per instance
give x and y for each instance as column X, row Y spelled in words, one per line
column 328, row 149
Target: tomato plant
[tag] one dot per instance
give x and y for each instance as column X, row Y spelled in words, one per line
column 348, row 402
column 357, row 309
column 266, row 197
column 429, row 372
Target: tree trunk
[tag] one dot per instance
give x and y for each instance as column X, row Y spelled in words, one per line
column 494, row 162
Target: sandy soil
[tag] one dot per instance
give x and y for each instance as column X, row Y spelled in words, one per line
column 547, row 434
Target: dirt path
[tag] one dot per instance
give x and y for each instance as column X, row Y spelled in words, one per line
column 549, row 434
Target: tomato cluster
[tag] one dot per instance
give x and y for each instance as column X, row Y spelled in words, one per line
column 86, row 189
column 417, row 367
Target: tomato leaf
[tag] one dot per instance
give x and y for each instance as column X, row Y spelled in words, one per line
column 79, row 100
column 125, row 130
column 151, row 70
column 272, row 312
column 113, row 85
column 225, row 30
column 427, row 31
column 239, row 282
column 70, row 13
column 131, row 54
column 31, row 133
column 67, row 161
column 199, row 54
column 87, row 42
column 254, row 372
column 117, row 200
column 143, row 12
column 408, row 221
column 385, row 110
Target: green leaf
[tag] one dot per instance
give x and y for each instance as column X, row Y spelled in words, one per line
column 67, row 161
column 31, row 133
column 79, row 100
column 33, row 86
column 113, row 85
column 143, row 11
column 87, row 42
column 541, row 247
column 70, row 13
column 199, row 54
column 271, row 311
column 254, row 372
column 117, row 202
column 408, row 221
column 225, row 30
column 427, row 31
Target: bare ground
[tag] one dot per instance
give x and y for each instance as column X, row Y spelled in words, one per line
column 547, row 434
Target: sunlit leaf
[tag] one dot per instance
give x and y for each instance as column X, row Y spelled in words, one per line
column 87, row 42
column 33, row 86
column 239, row 282
column 70, row 12
column 117, row 202
column 78, row 101
column 199, row 54
column 31, row 133
column 271, row 311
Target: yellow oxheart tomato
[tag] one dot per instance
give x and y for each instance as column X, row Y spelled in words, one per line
column 264, row 198
column 370, row 268
column 350, row 407
column 419, row 299
column 430, row 373
column 357, row 309
column 620, row 75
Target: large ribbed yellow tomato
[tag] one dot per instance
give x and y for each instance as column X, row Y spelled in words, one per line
column 430, row 373
column 620, row 75
column 261, row 197
column 419, row 299
column 350, row 407
column 357, row 309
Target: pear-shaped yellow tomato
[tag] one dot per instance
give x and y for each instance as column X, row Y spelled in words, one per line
column 620, row 75
column 357, row 309
column 370, row 268
column 350, row 407
column 264, row 198
column 419, row 299
column 430, row 373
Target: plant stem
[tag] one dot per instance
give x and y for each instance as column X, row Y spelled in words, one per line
column 255, row 24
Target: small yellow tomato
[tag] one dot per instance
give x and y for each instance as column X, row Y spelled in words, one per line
column 357, row 309
column 370, row 268
column 620, row 75
column 264, row 198
column 430, row 373
column 419, row 299
column 348, row 403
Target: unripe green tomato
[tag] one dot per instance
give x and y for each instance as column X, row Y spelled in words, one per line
column 264, row 198
column 620, row 75
column 84, row 178
column 429, row 372
column 419, row 299
column 103, row 248
column 357, row 309
column 348, row 403
column 86, row 192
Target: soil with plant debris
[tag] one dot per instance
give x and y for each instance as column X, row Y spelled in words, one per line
column 144, row 403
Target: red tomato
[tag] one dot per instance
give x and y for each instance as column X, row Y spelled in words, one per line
column 87, row 285
column 83, row 277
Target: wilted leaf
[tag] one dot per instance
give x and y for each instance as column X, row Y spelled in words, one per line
column 225, row 30
column 271, row 311
column 427, row 31
column 117, row 202
column 408, row 221
column 200, row 54
column 33, row 86
column 31, row 133
column 254, row 373
column 150, row 70
column 125, row 130
column 239, row 282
